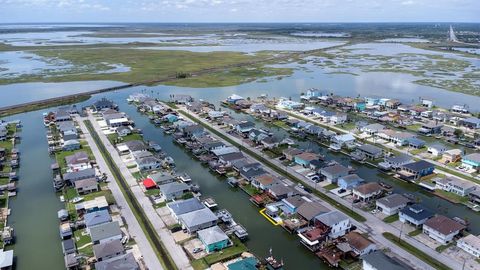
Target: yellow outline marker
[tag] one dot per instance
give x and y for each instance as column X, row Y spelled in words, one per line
column 262, row 212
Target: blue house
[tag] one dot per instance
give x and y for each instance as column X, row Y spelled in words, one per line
column 360, row 106
column 415, row 170
column 471, row 161
column 171, row 118
column 306, row 158
column 213, row 238
column 350, row 181
column 234, row 99
column 291, row 204
column 416, row 143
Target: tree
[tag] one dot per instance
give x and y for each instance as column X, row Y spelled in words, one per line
column 458, row 133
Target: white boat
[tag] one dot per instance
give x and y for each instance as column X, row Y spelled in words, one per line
column 335, row 147
column 62, row 198
column 77, row 199
column 185, row 178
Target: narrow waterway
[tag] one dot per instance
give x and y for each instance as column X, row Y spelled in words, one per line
column 34, row 209
column 262, row 234
column 372, row 174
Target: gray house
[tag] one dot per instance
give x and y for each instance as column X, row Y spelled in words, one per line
column 181, row 207
column 332, row 173
column 71, row 177
column 107, row 250
column 198, row 220
column 174, row 190
column 105, row 232
column 122, row 262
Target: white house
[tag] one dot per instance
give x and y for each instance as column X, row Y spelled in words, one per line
column 436, row 150
column 338, row 118
column 337, row 221
column 471, row 244
column 455, row 185
column 442, row 229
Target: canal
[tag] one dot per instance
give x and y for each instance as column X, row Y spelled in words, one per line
column 262, row 234
column 34, row 209
column 372, row 174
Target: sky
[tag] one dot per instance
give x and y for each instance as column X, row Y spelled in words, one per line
column 14, row 11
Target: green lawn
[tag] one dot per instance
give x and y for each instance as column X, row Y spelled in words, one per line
column 415, row 252
column 229, row 253
column 391, row 219
column 114, row 138
column 415, row 233
column 83, row 241
column 60, row 156
column 442, row 248
column 152, row 191
column 451, row 196
column 251, row 190
column 330, row 186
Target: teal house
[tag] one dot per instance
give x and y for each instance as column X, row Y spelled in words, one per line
column 471, row 161
column 249, row 263
column 213, row 238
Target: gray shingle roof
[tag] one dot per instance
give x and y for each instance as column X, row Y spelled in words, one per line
column 173, row 187
column 185, row 206
column 331, row 218
column 107, row 249
column 105, row 230
column 123, row 262
column 381, row 261
column 393, row 200
column 198, row 217
column 96, row 218
column 212, row 235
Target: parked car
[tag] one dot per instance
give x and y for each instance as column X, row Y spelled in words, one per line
column 342, row 190
column 196, row 250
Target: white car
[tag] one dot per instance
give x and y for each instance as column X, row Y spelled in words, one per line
column 374, row 211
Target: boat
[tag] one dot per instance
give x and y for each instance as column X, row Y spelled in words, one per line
column 335, row 147
column 62, row 198
column 185, row 178
column 462, row 221
column 384, row 185
column 232, row 181
column 273, row 263
column 240, row 232
column 76, row 199
column 210, row 202
column 154, row 146
column 169, row 160
column 357, row 156
column 195, row 188
column 409, row 196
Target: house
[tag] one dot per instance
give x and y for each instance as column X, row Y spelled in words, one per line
column 270, row 142
column 436, row 150
column 284, row 103
column 259, row 108
column 123, row 262
column 377, row 260
column 292, row 203
column 85, row 186
column 107, row 250
column 6, row 259
column 65, row 230
column 78, row 161
column 68, row 247
column 230, row 158
column 415, row 170
column 193, row 131
column 3, row 133
column 471, row 122
column 415, row 142
column 309, row 210
column 62, row 115
column 344, row 139
column 396, row 162
column 338, row 118
column 398, row 137
column 181, row 99
column 252, row 170
column 306, row 158
column 105, row 232
column 71, row 145
column 452, row 155
column 256, row 135
column 281, row 191
column 367, row 191
column 213, row 239
column 71, row 177
column 350, row 181
column 338, row 223
column 442, row 229
column 455, row 185
column 104, row 104
column 359, row 244
column 471, row 161
column 233, row 99
column 115, row 120
column 430, row 128
column 198, row 220
column 291, row 152
column 263, row 181
column 470, row 244
column 224, row 150
column 370, row 151
column 313, row 237
column 148, row 163
column 123, row 131
column 334, row 172
column 98, row 204
column 391, row 204
column 171, row 118
column 96, row 218
column 372, row 129
column 311, row 94
column 181, row 207
column 244, row 127
column 173, row 190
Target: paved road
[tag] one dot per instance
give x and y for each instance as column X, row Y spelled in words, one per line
column 373, row 225
column 136, row 232
column 176, row 252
